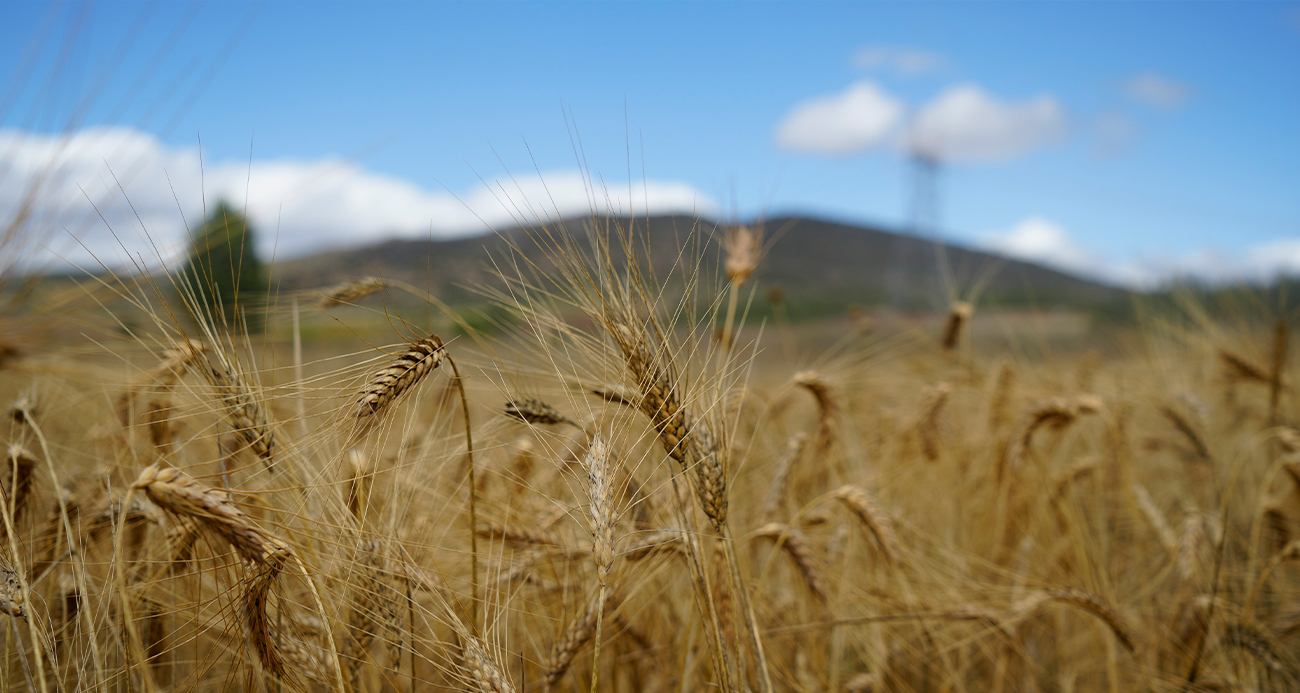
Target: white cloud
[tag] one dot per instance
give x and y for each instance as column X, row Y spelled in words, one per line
column 1045, row 242
column 313, row 203
column 900, row 59
column 1281, row 256
column 841, row 124
column 1157, row 90
column 966, row 123
column 1042, row 241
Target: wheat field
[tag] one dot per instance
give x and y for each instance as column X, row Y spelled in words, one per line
column 631, row 485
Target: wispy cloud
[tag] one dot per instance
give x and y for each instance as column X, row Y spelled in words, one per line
column 1113, row 134
column 966, row 123
column 1157, row 90
column 300, row 205
column 841, row 124
column 903, row 60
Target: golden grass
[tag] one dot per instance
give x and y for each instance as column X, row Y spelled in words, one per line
column 640, row 494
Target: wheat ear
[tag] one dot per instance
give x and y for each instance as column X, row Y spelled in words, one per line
column 795, row 545
column 390, row 383
column 483, row 672
column 242, row 411
column 11, row 593
column 600, row 489
column 348, row 292
column 17, row 487
column 1262, row 646
column 254, row 605
column 685, row 438
column 959, row 313
column 827, row 409
column 930, row 420
column 863, row 506
column 1004, row 385
column 1085, row 601
column 1156, row 519
column 1238, row 367
column 359, row 485
column 181, row 495
column 579, row 633
column 794, row 447
column 654, row 543
column 535, row 412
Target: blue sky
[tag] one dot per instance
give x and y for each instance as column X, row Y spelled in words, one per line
column 1128, row 141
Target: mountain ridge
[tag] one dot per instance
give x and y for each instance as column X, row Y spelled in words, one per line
column 820, row 266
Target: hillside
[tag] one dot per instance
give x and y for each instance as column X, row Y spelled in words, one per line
column 821, row 266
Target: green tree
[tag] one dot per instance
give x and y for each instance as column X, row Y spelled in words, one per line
column 223, row 269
